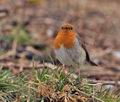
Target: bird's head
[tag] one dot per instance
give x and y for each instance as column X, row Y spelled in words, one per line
column 66, row 28
column 66, row 36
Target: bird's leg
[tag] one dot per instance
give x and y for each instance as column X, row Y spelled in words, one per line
column 63, row 66
column 78, row 71
column 78, row 75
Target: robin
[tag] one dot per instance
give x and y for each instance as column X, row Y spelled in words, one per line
column 69, row 49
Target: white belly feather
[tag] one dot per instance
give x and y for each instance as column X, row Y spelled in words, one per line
column 63, row 57
column 72, row 56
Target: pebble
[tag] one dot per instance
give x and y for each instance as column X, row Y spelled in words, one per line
column 116, row 54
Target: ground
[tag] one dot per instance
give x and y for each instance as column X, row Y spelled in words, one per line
column 28, row 28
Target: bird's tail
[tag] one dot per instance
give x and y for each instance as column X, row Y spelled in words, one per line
column 88, row 58
column 92, row 63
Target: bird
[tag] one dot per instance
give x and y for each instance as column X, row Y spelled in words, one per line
column 69, row 48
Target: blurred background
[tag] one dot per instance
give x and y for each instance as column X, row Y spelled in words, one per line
column 28, row 28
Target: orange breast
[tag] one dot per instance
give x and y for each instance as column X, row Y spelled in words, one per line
column 65, row 38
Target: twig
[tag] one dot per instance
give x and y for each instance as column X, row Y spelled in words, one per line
column 14, row 65
column 102, row 82
column 6, row 55
column 34, row 51
column 89, row 96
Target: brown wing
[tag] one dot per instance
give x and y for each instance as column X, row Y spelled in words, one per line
column 88, row 60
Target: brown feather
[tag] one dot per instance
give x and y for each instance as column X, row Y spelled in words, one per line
column 88, row 60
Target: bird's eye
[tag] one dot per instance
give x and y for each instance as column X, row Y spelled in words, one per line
column 70, row 28
column 66, row 27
